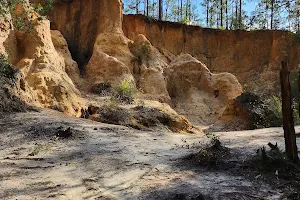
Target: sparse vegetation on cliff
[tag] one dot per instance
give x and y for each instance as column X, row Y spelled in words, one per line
column 9, row 102
column 6, row 70
column 133, row 152
column 122, row 94
column 22, row 13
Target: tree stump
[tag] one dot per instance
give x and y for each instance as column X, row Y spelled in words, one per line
column 287, row 114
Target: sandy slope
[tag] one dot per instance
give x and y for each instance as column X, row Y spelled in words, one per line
column 103, row 161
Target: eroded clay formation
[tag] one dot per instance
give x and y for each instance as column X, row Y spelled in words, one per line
column 161, row 69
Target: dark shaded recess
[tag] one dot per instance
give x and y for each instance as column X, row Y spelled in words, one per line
column 79, row 36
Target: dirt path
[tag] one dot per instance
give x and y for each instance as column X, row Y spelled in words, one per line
column 103, row 161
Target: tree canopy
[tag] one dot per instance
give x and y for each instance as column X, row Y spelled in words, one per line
column 222, row 14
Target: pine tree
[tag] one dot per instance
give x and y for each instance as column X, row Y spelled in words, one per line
column 160, row 9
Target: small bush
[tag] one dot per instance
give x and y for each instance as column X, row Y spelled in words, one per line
column 212, row 155
column 112, row 102
column 125, row 89
column 114, row 115
column 119, row 95
column 45, row 8
column 124, row 93
column 260, row 114
column 102, row 89
column 275, row 105
column 150, row 117
column 6, row 70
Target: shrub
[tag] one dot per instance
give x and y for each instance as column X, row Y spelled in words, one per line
column 119, row 95
column 6, row 70
column 45, row 8
column 260, row 114
column 213, row 154
column 114, row 115
column 150, row 117
column 125, row 89
column 275, row 104
column 102, row 89
column 124, row 93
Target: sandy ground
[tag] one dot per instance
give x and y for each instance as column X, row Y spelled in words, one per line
column 102, row 161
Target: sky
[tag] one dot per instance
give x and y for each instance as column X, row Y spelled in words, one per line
column 249, row 5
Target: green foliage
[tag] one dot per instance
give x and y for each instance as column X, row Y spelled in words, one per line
column 172, row 11
column 185, row 20
column 6, row 70
column 222, row 28
column 23, row 22
column 231, row 14
column 275, row 104
column 260, row 114
column 112, row 102
column 119, row 95
column 125, row 89
column 45, row 8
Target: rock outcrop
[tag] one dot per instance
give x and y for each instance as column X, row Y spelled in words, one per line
column 198, row 93
column 110, row 61
column 106, row 57
column 110, row 56
column 253, row 57
column 151, row 115
column 82, row 21
column 156, row 74
column 148, row 67
column 42, row 65
column 247, row 111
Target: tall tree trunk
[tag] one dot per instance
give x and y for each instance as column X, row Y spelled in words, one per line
column 236, row 14
column 266, row 15
column 137, row 6
column 181, row 10
column 298, row 93
column 226, row 10
column 186, row 9
column 232, row 19
column 207, row 13
column 298, row 20
column 287, row 114
column 240, row 16
column 190, row 11
column 167, row 8
column 211, row 16
column 272, row 13
column 221, row 17
column 160, row 9
column 147, row 7
column 218, row 17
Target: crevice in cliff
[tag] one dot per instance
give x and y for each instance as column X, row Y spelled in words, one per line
column 78, row 22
